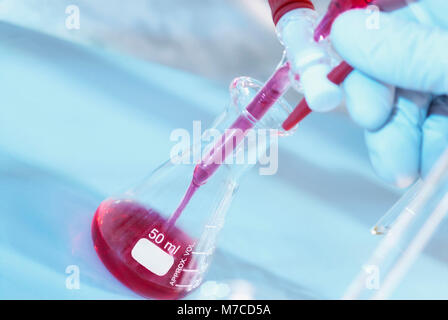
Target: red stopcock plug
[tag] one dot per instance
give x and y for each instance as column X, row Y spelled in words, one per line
column 337, row 76
column 339, row 73
column 335, row 8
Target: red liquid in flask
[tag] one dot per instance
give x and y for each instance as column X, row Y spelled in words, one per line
column 124, row 230
column 148, row 253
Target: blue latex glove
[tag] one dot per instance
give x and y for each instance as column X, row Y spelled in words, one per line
column 396, row 92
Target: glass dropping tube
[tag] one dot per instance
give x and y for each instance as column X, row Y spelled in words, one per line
column 415, row 220
column 387, row 221
column 273, row 89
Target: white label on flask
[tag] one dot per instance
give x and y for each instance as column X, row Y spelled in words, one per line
column 152, row 257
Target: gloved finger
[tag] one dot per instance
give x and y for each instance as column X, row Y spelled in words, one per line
column 400, row 52
column 428, row 12
column 368, row 101
column 321, row 94
column 394, row 149
column 435, row 133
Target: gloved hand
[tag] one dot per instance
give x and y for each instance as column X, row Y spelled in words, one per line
column 398, row 90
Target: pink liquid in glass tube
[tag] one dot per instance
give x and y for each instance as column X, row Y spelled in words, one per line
column 187, row 197
column 274, row 88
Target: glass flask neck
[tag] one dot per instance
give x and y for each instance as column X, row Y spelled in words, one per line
column 158, row 238
column 242, row 133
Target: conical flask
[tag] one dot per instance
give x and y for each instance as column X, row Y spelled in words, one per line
column 142, row 237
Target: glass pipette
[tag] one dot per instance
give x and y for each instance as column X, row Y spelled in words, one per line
column 273, row 89
column 416, row 218
column 386, row 222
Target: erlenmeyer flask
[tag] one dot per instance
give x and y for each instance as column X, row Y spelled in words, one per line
column 141, row 236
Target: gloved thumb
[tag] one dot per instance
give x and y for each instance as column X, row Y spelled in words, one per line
column 397, row 51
